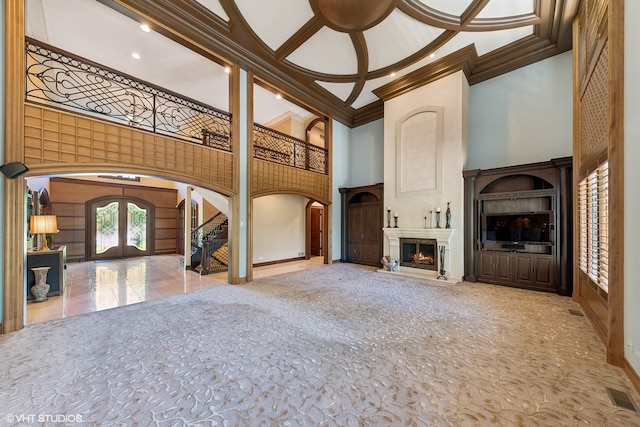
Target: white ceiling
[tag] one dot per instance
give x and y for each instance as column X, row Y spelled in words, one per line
column 96, row 32
column 90, row 29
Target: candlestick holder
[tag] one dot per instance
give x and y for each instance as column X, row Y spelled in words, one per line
column 430, row 219
column 395, row 219
column 425, row 222
column 443, row 273
column 438, row 219
column 388, row 218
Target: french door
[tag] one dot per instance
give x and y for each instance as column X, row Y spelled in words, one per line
column 119, row 227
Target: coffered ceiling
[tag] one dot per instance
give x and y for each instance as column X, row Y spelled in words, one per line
column 345, row 57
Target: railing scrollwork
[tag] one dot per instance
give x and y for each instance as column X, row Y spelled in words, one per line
column 276, row 147
column 57, row 78
column 54, row 77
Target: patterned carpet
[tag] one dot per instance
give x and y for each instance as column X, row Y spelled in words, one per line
column 337, row 345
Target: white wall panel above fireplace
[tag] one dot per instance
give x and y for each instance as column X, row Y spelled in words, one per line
column 419, row 152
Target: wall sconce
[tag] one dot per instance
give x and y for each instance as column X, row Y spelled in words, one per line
column 43, row 224
column 14, row 169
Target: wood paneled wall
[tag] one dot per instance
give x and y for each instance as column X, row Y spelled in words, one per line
column 598, row 40
column 69, row 197
column 62, row 141
column 272, row 178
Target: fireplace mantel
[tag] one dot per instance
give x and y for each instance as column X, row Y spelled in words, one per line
column 441, row 235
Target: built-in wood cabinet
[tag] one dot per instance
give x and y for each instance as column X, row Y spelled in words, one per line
column 362, row 222
column 518, row 226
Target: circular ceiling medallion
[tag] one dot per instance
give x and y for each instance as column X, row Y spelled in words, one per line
column 352, row 15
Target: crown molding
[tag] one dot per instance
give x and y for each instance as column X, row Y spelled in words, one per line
column 199, row 29
column 461, row 60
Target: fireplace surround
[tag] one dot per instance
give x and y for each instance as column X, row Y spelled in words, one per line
column 439, row 237
column 419, row 253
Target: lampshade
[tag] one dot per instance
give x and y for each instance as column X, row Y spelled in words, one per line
column 43, row 224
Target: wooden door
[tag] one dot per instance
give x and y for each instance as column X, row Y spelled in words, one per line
column 362, row 224
column 316, row 231
column 180, row 228
column 119, row 227
column 365, row 226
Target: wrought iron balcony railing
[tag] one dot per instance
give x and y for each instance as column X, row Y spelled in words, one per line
column 276, row 147
column 56, row 77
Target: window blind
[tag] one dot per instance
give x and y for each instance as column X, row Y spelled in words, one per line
column 593, row 216
column 603, row 226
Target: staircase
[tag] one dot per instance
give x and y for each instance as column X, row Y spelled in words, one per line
column 209, row 246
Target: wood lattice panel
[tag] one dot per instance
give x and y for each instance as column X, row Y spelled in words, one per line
column 269, row 178
column 594, row 109
column 55, row 137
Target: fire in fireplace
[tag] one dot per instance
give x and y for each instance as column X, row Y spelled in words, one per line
column 419, row 253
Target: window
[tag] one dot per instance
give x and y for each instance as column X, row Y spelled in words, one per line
column 593, row 202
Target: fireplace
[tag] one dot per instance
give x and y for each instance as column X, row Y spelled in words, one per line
column 419, row 253
column 439, row 241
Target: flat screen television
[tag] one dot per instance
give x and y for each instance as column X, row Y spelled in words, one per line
column 520, row 228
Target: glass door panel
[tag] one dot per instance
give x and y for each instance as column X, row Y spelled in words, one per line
column 136, row 226
column 107, row 227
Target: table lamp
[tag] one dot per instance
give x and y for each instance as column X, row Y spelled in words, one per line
column 43, row 224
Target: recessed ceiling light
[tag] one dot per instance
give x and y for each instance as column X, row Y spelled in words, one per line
column 135, row 55
column 432, row 55
column 145, row 28
column 278, row 96
column 227, row 70
column 392, row 74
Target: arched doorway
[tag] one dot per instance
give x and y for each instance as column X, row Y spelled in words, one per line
column 315, row 245
column 119, row 227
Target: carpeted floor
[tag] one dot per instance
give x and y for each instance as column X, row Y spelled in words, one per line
column 338, row 345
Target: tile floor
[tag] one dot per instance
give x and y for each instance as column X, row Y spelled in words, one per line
column 94, row 286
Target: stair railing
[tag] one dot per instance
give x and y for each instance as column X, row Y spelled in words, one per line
column 202, row 235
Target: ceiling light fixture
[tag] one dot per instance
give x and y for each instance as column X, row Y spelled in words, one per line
column 393, row 74
column 278, row 96
column 432, row 55
column 135, row 55
column 227, row 69
column 145, row 28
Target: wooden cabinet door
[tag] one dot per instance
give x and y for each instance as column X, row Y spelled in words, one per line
column 535, row 271
column 523, row 269
column 355, row 252
column 486, row 266
column 362, row 224
column 495, row 266
column 365, row 226
column 544, row 272
column 503, row 265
